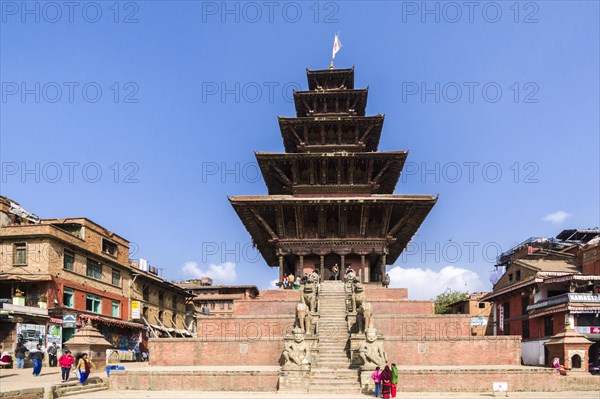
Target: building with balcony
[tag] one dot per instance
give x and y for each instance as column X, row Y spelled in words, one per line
column 543, row 285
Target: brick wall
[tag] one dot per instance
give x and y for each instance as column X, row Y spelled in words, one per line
column 375, row 292
column 417, row 326
column 245, row 328
column 458, row 351
column 217, row 352
column 198, row 380
column 403, row 307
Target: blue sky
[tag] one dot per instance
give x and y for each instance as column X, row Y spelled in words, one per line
column 144, row 117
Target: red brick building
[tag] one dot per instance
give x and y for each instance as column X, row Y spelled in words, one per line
column 216, row 300
column 546, row 283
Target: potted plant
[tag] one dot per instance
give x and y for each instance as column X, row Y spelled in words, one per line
column 19, row 298
column 42, row 301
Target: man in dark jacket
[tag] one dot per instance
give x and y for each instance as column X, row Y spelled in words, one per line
column 37, row 355
column 20, row 355
column 52, row 351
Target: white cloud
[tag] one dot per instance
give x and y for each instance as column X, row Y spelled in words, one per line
column 273, row 285
column 556, row 217
column 222, row 273
column 427, row 283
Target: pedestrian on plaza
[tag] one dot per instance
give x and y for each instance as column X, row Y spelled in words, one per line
column 138, row 353
column 5, row 360
column 394, row 379
column 52, row 354
column 386, row 382
column 376, row 376
column 36, row 356
column 66, row 362
column 84, row 367
column 20, row 355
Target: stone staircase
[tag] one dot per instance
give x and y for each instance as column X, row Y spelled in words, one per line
column 93, row 384
column 332, row 369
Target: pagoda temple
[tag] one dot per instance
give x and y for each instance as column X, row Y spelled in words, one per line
column 330, row 195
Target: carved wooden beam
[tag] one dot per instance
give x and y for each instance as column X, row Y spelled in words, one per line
column 280, row 221
column 387, row 214
column 282, row 177
column 295, row 176
column 381, row 172
column 368, row 132
column 364, row 218
column 298, row 212
column 403, row 219
column 296, row 136
column 263, row 223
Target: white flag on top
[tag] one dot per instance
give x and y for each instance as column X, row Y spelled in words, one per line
column 337, row 45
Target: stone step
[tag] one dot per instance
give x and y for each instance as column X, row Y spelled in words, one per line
column 77, row 389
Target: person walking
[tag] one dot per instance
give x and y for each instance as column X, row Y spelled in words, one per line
column 138, row 353
column 52, row 354
column 20, row 355
column 394, row 379
column 376, row 376
column 36, row 356
column 83, row 368
column 66, row 362
column 386, row 382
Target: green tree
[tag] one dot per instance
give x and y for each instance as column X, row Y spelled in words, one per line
column 446, row 298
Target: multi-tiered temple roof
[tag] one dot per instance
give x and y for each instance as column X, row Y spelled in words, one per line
column 331, row 195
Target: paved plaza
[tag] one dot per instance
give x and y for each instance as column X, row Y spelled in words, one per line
column 12, row 379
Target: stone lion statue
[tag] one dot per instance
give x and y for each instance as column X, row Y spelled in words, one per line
column 309, row 296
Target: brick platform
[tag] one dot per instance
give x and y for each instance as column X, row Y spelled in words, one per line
column 196, row 379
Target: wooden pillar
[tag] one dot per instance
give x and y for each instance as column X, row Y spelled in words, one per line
column 302, row 264
column 383, row 267
column 280, row 268
column 342, row 266
column 365, row 268
column 322, row 270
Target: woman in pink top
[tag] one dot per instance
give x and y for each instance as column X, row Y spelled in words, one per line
column 65, row 362
column 376, row 376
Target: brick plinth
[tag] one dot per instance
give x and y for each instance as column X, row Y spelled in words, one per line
column 505, row 350
column 194, row 380
column 480, row 380
column 219, row 352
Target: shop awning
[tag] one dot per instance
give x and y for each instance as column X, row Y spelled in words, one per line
column 113, row 322
column 25, row 277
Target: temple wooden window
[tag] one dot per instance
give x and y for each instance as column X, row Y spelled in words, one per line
column 20, row 254
column 161, row 315
column 68, row 260
column 146, row 293
column 161, row 298
column 518, row 275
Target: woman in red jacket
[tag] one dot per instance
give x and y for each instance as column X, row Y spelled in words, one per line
column 65, row 362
